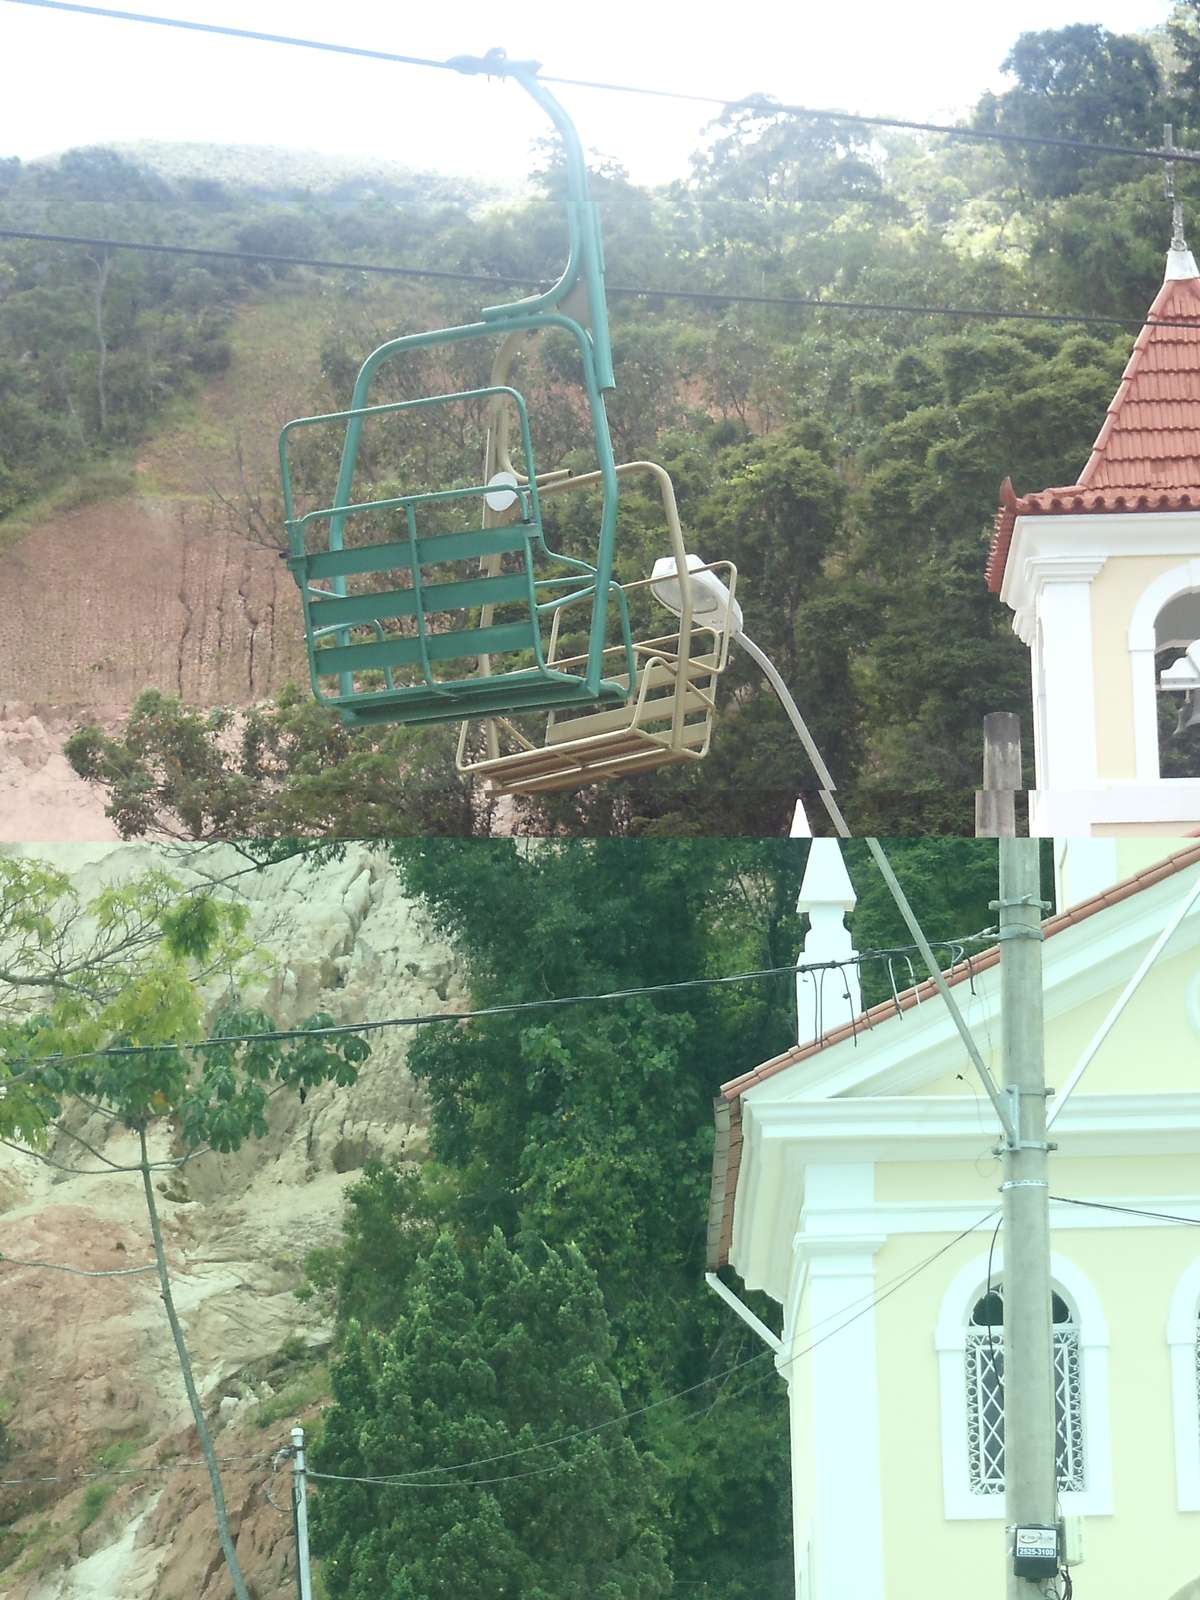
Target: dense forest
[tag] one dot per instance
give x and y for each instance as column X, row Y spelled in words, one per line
column 506, row 1303
column 848, row 460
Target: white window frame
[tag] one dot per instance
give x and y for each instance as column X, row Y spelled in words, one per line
column 1183, row 1332
column 950, row 1339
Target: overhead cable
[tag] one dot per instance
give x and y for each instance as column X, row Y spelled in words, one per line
column 82, row 1272
column 1133, row 1211
column 131, row 1472
column 511, row 1008
column 754, row 102
column 640, row 291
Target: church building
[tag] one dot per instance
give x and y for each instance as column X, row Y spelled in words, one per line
column 856, row 1183
column 1103, row 579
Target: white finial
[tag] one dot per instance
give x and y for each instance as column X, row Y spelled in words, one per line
column 827, row 998
column 826, row 881
column 800, row 828
column 1181, row 263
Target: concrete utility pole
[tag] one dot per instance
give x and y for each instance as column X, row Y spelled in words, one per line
column 1030, row 1437
column 995, row 803
column 300, row 1503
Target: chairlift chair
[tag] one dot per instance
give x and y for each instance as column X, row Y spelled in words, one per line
column 425, row 624
column 667, row 715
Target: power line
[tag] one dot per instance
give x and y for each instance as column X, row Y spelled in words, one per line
column 874, row 1298
column 237, row 33
column 1134, row 1211
column 486, row 279
column 131, row 1472
column 82, row 1272
column 763, row 103
column 714, row 297
column 511, row 1008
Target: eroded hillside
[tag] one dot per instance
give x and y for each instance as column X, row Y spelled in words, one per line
column 88, row 1378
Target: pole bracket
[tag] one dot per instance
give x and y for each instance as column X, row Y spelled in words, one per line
column 1019, row 900
column 1017, row 930
column 1012, row 1092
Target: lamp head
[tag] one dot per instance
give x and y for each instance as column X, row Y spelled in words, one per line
column 712, row 604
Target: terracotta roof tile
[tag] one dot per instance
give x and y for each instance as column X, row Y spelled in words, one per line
column 725, row 1182
column 1149, row 440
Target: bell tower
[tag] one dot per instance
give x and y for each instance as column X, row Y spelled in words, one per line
column 1103, row 579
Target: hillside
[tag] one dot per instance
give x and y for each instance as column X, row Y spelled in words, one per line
column 847, row 460
column 274, row 173
column 88, row 1378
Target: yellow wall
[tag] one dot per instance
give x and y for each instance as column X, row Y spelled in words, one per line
column 955, row 1182
column 1153, row 1046
column 1147, row 1548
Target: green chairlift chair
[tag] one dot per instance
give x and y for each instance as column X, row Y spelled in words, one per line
column 444, row 624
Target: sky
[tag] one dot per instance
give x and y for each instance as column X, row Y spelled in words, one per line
column 75, row 80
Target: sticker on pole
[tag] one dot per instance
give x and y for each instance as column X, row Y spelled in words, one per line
column 1035, row 1552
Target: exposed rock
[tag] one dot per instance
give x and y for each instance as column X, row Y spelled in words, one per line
column 87, row 1364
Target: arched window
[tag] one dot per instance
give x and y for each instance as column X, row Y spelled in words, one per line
column 985, row 1395
column 1175, row 628
column 1165, row 620
column 970, row 1344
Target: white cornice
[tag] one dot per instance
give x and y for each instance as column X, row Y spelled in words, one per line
column 1095, row 536
column 791, row 1136
column 946, row 1127
column 1065, row 813
column 901, row 1217
column 1040, row 570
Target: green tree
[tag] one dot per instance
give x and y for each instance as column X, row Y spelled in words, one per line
column 592, row 1125
column 494, row 1352
column 278, row 770
column 1080, row 82
column 101, row 1005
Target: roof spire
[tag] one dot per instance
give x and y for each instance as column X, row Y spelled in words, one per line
column 826, row 998
column 1180, row 261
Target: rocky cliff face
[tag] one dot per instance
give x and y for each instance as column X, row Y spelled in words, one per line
column 88, row 1378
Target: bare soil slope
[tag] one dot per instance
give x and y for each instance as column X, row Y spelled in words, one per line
column 174, row 586
column 108, row 600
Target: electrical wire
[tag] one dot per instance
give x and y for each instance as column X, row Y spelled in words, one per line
column 874, row 1298
column 81, row 1272
column 750, row 102
column 691, row 296
column 1134, row 1211
column 237, row 33
column 133, row 1472
column 516, row 1007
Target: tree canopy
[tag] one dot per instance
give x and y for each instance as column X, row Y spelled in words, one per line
column 584, row 1135
column 495, row 1352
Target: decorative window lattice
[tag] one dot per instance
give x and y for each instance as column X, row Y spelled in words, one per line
column 985, row 1409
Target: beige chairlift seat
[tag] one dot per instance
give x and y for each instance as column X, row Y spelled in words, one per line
column 668, row 716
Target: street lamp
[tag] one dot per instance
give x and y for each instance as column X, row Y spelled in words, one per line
column 712, row 601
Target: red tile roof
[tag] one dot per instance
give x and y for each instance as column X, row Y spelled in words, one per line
column 1147, row 455
column 728, row 1156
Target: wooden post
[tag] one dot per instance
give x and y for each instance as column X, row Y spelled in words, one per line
column 995, row 803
